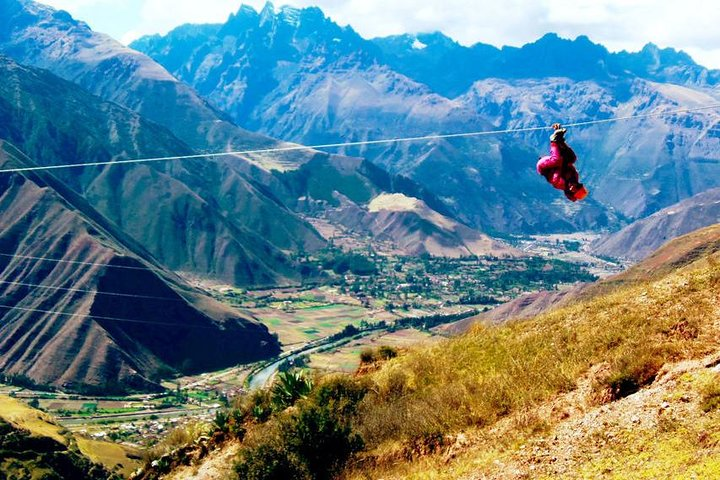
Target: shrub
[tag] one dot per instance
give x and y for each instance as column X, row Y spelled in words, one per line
column 257, row 406
column 177, row 438
column 312, row 442
column 290, row 387
column 710, row 394
column 368, row 355
column 222, row 420
column 340, row 394
column 637, row 368
column 386, row 353
column 322, row 440
column 268, row 462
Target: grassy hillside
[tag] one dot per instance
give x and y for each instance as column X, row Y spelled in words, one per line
column 33, row 446
column 492, row 391
column 622, row 383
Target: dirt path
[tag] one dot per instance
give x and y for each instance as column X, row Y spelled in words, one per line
column 218, row 465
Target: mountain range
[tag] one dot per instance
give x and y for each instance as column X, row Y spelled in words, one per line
column 297, row 75
column 236, row 219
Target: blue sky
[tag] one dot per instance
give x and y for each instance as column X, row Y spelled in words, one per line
column 690, row 25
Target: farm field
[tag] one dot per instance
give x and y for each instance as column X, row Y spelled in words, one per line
column 300, row 325
column 346, row 358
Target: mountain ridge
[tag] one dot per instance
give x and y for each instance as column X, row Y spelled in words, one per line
column 329, row 85
column 98, row 317
column 641, row 238
column 223, row 237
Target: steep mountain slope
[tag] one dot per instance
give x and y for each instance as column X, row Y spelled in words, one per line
column 297, row 75
column 638, row 240
column 196, row 216
column 678, row 253
column 358, row 196
column 415, row 229
column 40, row 36
column 526, row 306
column 242, row 194
column 85, row 307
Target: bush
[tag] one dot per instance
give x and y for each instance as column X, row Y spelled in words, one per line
column 312, row 442
column 710, row 394
column 177, row 438
column 322, row 440
column 341, row 395
column 368, row 355
column 257, row 406
column 634, row 371
column 386, row 353
column 222, row 420
column 290, row 387
column 268, row 462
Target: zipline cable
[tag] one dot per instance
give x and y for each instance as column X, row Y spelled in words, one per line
column 81, row 290
column 99, row 317
column 295, row 148
column 76, row 262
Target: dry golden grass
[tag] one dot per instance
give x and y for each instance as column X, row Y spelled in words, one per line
column 177, row 438
column 36, row 422
column 472, row 382
column 111, row 455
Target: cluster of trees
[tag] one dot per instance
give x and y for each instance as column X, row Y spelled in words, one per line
column 430, row 321
column 23, row 381
column 297, row 430
column 354, row 263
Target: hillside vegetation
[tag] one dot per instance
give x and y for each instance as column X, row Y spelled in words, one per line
column 33, row 446
column 490, row 392
column 620, row 383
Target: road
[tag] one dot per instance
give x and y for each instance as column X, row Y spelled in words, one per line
column 133, row 416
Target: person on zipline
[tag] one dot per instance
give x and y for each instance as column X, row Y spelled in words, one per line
column 559, row 167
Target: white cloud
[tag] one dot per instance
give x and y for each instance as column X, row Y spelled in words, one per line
column 690, row 25
column 75, row 5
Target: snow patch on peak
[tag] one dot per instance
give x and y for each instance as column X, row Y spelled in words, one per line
column 394, row 202
column 290, row 15
column 418, row 45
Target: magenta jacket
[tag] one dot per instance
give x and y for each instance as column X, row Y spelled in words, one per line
column 558, row 168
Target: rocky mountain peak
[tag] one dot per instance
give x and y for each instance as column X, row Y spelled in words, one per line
column 665, row 57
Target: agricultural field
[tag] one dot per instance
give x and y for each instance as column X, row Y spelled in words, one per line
column 67, row 407
column 346, row 358
column 300, row 324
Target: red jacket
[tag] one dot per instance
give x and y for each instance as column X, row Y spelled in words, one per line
column 558, row 168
